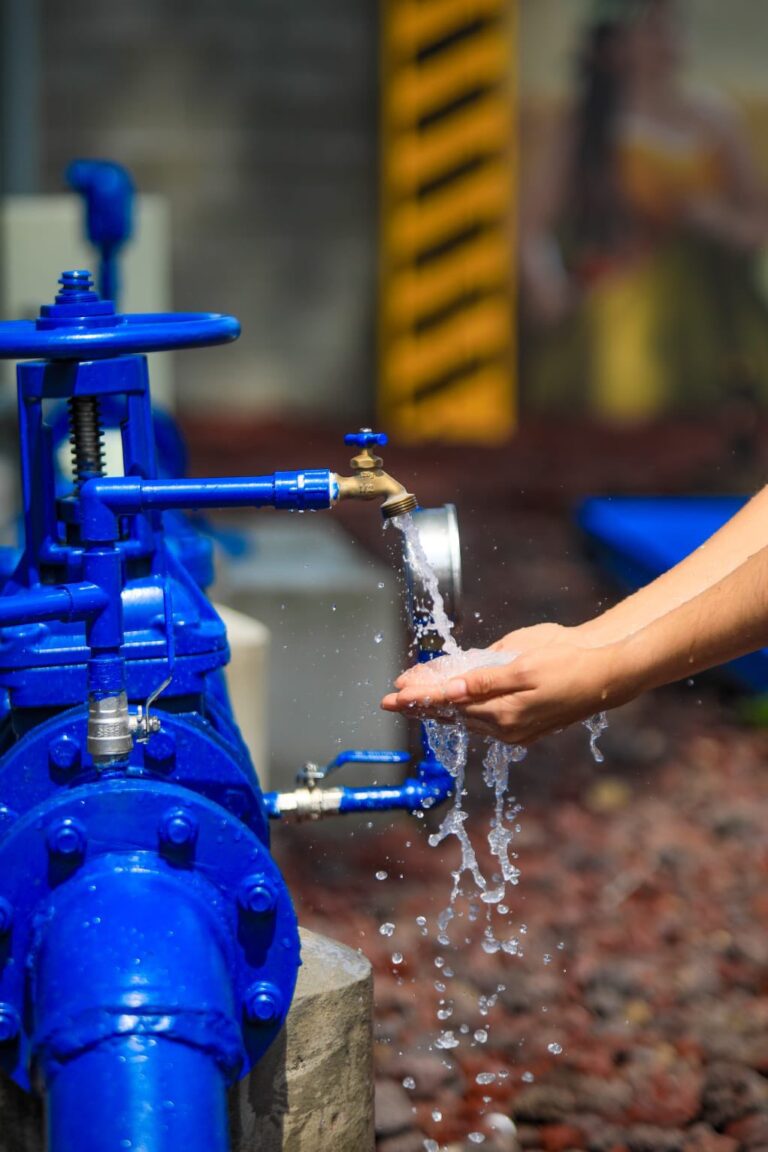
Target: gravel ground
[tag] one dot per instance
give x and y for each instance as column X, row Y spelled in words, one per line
column 636, row 1017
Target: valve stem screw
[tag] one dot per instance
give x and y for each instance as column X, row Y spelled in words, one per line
column 87, row 438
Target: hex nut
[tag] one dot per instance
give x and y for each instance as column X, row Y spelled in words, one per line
column 263, row 1003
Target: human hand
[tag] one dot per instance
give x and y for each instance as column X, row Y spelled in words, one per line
column 521, row 640
column 535, row 636
column 541, row 691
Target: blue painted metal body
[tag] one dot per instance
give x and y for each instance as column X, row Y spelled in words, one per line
column 108, row 191
column 636, row 538
column 148, row 944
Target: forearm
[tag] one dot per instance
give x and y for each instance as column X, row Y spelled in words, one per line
column 743, row 536
column 727, row 620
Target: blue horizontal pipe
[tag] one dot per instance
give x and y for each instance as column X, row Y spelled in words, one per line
column 431, row 787
column 410, row 795
column 60, row 602
column 102, row 500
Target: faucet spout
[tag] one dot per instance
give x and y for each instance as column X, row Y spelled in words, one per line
column 369, row 481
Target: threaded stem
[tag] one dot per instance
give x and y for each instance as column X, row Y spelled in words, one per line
column 87, row 439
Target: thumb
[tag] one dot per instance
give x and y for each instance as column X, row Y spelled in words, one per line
column 476, row 684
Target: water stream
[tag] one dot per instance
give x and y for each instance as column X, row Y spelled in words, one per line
column 449, row 740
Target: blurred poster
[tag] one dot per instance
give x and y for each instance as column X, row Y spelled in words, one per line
column 643, row 206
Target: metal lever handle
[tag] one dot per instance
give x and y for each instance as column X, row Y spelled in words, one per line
column 365, row 438
column 312, row 774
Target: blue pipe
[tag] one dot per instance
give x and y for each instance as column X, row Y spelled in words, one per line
column 430, row 787
column 134, row 1012
column 143, row 1093
column 62, row 602
column 102, row 500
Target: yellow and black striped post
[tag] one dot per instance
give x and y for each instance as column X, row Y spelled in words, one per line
column 446, row 309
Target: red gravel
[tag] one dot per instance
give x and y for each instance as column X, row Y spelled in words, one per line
column 651, row 871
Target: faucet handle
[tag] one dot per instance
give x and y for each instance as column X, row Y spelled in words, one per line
column 365, row 438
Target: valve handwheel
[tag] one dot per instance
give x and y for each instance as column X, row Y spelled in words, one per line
column 79, row 325
column 365, row 438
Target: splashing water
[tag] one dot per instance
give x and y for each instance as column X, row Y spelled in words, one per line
column 596, row 725
column 418, row 562
column 449, row 741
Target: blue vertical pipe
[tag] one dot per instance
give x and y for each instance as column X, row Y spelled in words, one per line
column 138, row 1093
column 136, row 1023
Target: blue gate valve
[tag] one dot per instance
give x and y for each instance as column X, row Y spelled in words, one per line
column 149, row 944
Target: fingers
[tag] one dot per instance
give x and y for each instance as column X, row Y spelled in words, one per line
column 480, row 683
column 419, row 709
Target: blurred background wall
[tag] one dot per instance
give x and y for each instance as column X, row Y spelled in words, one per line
column 257, row 120
column 257, row 123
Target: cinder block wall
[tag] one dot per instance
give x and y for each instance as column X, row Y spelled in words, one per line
column 257, row 118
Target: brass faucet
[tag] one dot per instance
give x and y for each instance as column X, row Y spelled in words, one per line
column 369, row 481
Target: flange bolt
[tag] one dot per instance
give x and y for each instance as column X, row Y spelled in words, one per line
column 257, row 895
column 67, row 839
column 263, row 1003
column 160, row 751
column 6, row 916
column 178, row 829
column 64, row 755
column 9, row 1023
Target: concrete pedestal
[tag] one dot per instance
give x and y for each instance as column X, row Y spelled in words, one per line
column 312, row 1092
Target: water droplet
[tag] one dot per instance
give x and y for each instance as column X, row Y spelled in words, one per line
column 476, row 1137
column 333, row 607
column 437, row 1115
column 485, row 1078
column 446, row 1040
column 546, row 958
column 480, row 1036
column 381, row 874
column 381, row 584
column 378, row 637
column 397, row 957
column 409, row 1083
column 528, row 1077
column 429, row 1145
column 386, row 929
column 554, row 1048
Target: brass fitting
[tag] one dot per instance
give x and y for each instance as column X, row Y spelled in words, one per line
column 369, row 481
